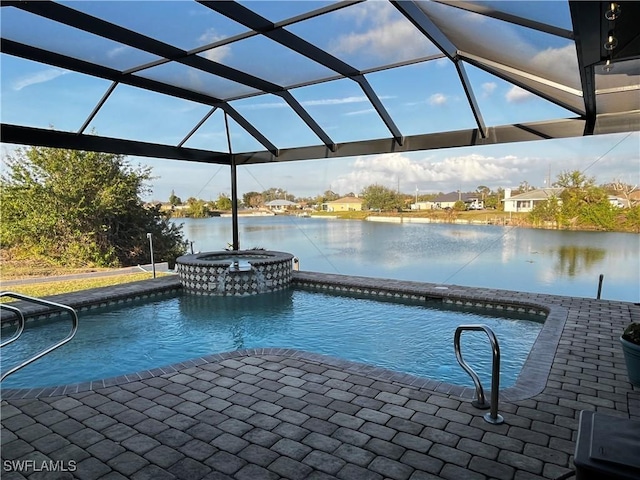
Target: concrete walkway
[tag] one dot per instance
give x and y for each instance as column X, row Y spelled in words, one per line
column 270, row 414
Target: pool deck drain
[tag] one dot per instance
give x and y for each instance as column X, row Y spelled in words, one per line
column 270, row 414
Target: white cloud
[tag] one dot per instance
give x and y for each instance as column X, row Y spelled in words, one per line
column 114, row 52
column 215, row 54
column 386, row 37
column 518, row 95
column 488, row 88
column 38, row 77
column 465, row 172
column 437, row 99
column 562, row 62
column 334, row 101
column 362, row 112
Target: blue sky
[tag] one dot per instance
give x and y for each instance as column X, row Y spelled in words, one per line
column 421, row 98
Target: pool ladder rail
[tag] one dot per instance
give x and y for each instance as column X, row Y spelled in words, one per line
column 21, row 323
column 480, row 401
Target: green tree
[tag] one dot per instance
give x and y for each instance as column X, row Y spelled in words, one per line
column 174, row 200
column 252, row 199
column 329, row 196
column 197, row 208
column 484, row 191
column 223, row 202
column 573, row 179
column 632, row 221
column 549, row 211
column 459, row 206
column 378, row 197
column 584, row 203
column 78, row 208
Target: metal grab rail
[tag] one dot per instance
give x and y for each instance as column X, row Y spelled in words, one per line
column 19, row 296
column 480, row 402
column 20, row 324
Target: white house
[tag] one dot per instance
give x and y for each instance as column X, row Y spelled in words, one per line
column 525, row 202
column 280, row 205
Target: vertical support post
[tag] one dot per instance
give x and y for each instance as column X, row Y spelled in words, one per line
column 234, row 189
column 153, row 264
column 234, row 204
column 600, row 279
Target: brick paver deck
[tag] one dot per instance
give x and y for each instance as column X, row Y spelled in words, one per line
column 270, row 414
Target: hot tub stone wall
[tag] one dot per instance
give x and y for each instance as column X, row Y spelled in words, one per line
column 208, row 277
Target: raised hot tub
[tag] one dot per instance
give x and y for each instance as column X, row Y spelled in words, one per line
column 236, row 273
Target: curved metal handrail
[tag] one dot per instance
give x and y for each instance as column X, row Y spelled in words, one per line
column 481, row 402
column 74, row 328
column 20, row 323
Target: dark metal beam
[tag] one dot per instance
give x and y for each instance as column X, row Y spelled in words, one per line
column 252, row 20
column 40, row 137
column 251, row 130
column 462, row 138
column 468, row 90
column 97, row 108
column 308, row 119
column 564, row 128
column 88, row 23
column 382, row 112
column 74, row 18
column 586, row 26
column 198, row 125
column 514, row 80
column 419, row 19
column 17, row 49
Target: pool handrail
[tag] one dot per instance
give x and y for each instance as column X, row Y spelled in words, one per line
column 40, row 301
column 20, row 328
column 480, row 402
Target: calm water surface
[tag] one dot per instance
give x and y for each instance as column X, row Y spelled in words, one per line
column 530, row 260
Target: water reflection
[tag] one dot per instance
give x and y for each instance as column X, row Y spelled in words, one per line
column 530, row 260
column 576, row 260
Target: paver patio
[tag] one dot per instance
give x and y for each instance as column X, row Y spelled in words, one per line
column 274, row 413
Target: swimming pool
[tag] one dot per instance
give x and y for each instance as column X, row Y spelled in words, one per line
column 400, row 336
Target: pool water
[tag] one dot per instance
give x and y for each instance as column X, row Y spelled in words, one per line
column 405, row 337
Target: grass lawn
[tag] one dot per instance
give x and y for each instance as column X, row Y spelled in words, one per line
column 14, row 268
column 43, row 289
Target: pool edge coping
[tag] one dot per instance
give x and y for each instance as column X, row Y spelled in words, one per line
column 531, row 381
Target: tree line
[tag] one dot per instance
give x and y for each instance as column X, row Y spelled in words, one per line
column 78, row 208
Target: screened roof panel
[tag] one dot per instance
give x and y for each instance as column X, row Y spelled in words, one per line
column 40, row 32
column 241, row 140
column 550, row 12
column 422, row 98
column 354, row 77
column 503, row 103
column 190, row 78
column 277, row 11
column 186, row 25
column 566, row 97
column 342, row 110
column 284, row 67
column 168, row 119
column 546, row 56
column 46, row 97
column 276, row 120
column 211, row 135
column 366, row 35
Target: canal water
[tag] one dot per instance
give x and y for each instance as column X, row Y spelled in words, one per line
column 512, row 258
